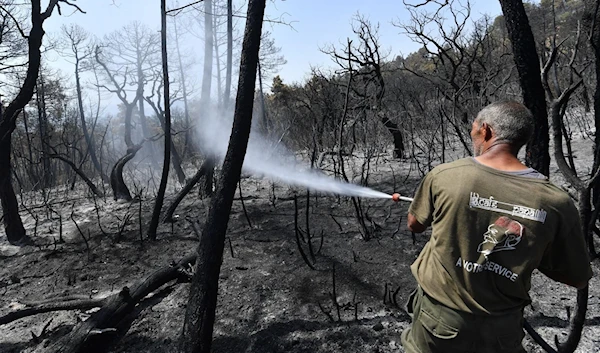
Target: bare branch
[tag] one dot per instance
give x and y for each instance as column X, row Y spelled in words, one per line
column 178, row 9
column 426, row 2
column 74, row 5
column 15, row 20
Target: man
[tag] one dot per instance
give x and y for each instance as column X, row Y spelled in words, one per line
column 493, row 221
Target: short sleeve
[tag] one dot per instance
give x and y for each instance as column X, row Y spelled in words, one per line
column 422, row 206
column 567, row 254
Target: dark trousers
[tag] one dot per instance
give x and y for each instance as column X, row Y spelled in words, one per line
column 436, row 328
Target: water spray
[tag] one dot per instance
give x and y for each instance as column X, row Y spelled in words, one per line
column 264, row 158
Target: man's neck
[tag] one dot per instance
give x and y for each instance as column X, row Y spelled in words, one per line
column 502, row 157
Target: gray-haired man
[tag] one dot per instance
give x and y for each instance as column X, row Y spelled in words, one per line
column 493, row 221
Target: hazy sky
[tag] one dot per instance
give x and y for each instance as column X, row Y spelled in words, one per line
column 314, row 24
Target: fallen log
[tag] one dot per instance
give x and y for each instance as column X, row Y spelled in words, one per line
column 106, row 320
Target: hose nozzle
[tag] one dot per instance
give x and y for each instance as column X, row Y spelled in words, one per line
column 396, row 197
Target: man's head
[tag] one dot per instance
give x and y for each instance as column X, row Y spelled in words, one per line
column 502, row 122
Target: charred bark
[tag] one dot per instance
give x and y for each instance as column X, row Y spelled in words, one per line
column 13, row 225
column 117, row 183
column 207, row 180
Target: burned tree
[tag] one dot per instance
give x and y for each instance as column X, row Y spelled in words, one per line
column 135, row 47
column 366, row 62
column 200, row 313
column 167, row 124
column 117, row 183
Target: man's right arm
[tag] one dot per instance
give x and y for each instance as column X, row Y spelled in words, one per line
column 414, row 225
column 420, row 212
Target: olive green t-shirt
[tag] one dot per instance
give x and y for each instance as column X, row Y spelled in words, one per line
column 490, row 230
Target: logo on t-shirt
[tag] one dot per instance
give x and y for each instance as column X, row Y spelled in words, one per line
column 502, row 235
column 491, row 204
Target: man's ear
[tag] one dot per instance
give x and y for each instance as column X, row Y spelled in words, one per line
column 487, row 131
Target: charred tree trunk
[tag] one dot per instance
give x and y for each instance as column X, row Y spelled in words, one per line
column 119, row 188
column 528, row 66
column 396, row 135
column 13, row 225
column 160, row 196
column 176, row 161
column 208, row 179
column 200, row 313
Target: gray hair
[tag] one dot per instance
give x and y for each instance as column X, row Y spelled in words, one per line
column 511, row 122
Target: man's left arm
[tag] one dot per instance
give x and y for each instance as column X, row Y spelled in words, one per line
column 566, row 259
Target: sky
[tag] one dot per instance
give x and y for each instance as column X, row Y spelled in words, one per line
column 311, row 25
